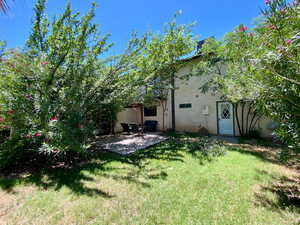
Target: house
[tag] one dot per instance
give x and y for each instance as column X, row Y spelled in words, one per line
column 195, row 111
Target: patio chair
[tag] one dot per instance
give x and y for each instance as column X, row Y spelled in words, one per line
column 125, row 127
column 134, row 127
column 150, row 125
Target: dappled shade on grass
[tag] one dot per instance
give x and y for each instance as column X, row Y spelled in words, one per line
column 175, row 182
column 171, row 150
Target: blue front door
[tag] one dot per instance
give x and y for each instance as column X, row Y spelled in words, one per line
column 225, row 118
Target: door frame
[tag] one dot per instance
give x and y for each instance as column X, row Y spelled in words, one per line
column 233, row 119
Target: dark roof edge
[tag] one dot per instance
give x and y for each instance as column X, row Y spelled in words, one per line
column 192, row 58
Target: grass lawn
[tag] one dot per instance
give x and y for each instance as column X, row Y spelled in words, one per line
column 166, row 184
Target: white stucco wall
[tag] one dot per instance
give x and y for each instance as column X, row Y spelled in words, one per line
column 128, row 115
column 159, row 117
column 189, row 119
column 187, row 91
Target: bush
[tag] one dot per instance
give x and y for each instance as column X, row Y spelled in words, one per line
column 289, row 134
column 216, row 150
column 105, row 117
column 16, row 152
column 45, row 91
column 262, row 66
column 205, row 148
column 256, row 134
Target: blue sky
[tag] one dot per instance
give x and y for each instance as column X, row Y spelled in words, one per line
column 121, row 17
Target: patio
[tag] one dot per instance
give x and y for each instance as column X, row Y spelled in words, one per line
column 127, row 144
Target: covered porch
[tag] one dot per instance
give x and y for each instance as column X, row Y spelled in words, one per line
column 135, row 118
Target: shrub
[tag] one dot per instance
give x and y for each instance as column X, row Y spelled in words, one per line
column 17, row 152
column 262, row 66
column 46, row 90
column 205, row 148
column 254, row 134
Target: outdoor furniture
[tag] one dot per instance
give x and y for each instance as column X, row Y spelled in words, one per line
column 125, row 127
column 131, row 128
column 134, row 127
column 150, row 125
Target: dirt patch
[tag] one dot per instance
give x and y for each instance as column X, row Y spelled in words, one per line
column 10, row 201
column 7, row 202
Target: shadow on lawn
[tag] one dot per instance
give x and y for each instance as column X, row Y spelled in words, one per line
column 286, row 189
column 75, row 178
column 262, row 152
column 132, row 169
column 54, row 178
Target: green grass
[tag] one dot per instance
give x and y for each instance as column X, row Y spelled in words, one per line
column 166, row 184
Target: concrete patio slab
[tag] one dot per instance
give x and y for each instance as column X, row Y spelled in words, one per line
column 127, row 144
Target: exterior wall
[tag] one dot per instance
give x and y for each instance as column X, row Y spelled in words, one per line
column 133, row 115
column 190, row 119
column 128, row 115
column 262, row 126
column 266, row 127
column 159, row 117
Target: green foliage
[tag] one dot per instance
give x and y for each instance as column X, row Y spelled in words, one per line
column 2, row 48
column 279, row 63
column 50, row 80
column 59, row 92
column 162, row 54
column 165, row 183
column 51, row 90
column 105, row 117
column 203, row 148
column 18, row 152
column 261, row 65
column 161, row 59
column 207, row 148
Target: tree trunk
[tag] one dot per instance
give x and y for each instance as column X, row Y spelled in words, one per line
column 254, row 124
column 112, row 127
column 252, row 120
column 11, row 133
column 237, row 118
column 173, row 102
column 163, row 105
column 243, row 109
column 247, row 119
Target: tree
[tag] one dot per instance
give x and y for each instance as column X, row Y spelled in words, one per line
column 161, row 59
column 117, row 85
column 231, row 77
column 278, row 61
column 51, row 89
column 3, row 5
column 44, row 87
column 262, row 65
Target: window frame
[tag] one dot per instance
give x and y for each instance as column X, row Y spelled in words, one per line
column 185, row 106
column 150, row 111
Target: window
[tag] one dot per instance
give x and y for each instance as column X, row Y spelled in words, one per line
column 186, row 105
column 225, row 111
column 150, row 111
